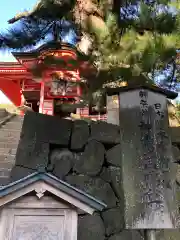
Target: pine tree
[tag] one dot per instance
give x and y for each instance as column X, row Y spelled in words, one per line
column 128, row 39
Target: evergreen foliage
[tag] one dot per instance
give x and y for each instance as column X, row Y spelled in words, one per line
column 127, row 37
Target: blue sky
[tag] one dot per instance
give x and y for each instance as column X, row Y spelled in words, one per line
column 9, row 8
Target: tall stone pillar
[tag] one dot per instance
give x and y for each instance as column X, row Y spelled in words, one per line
column 147, row 168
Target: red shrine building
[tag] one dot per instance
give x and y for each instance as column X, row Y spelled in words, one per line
column 36, row 82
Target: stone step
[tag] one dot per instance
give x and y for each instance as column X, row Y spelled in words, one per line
column 12, row 126
column 5, row 128
column 6, row 133
column 9, row 133
column 11, row 151
column 18, row 118
column 9, row 140
column 12, row 145
column 15, row 121
column 6, row 165
column 7, row 158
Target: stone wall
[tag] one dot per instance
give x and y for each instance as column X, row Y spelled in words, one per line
column 87, row 156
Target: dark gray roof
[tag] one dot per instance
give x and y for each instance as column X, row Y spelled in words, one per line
column 56, row 183
column 169, row 94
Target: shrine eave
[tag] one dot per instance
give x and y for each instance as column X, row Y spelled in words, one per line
column 51, row 46
column 10, row 65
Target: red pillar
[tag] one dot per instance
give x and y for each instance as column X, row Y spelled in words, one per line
column 79, row 93
column 12, row 90
column 22, row 104
column 41, row 102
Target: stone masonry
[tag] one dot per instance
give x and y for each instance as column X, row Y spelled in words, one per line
column 86, row 155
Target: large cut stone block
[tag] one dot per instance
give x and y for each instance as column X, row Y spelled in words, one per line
column 90, row 228
column 19, row 172
column 80, row 135
column 113, row 156
column 33, row 155
column 91, row 160
column 105, row 133
column 116, row 181
column 48, row 128
column 61, row 161
column 94, row 186
column 113, row 220
column 105, row 174
column 38, row 132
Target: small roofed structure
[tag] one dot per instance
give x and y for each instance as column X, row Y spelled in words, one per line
column 42, row 201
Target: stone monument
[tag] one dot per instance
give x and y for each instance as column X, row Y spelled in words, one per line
column 148, row 172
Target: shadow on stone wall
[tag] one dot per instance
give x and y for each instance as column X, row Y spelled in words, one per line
column 87, row 156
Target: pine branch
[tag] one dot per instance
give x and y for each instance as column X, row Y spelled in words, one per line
column 29, row 32
column 47, row 9
column 140, row 40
